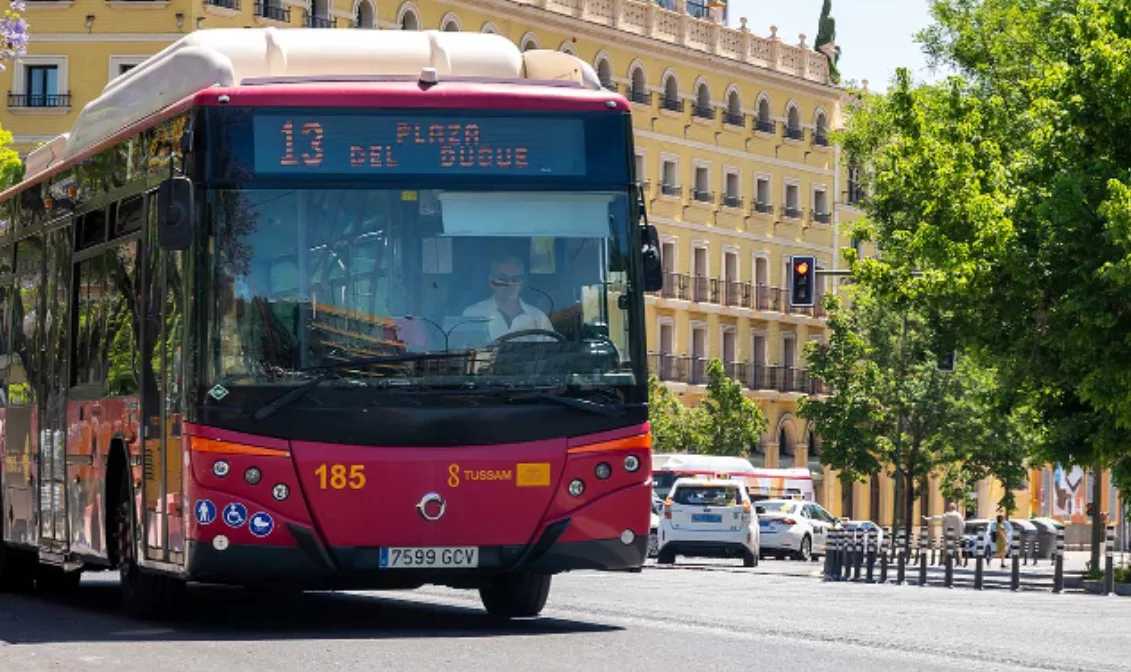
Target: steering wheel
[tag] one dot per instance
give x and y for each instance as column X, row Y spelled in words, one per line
column 530, row 332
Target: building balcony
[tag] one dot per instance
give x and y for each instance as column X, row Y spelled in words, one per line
column 703, row 195
column 821, row 138
column 639, row 96
column 313, row 21
column 692, row 370
column 671, row 189
column 796, row 133
column 269, row 9
column 765, row 126
column 735, row 119
column 732, row 201
column 38, row 100
column 704, row 112
column 822, row 217
column 671, row 104
column 233, row 5
column 733, row 294
column 764, row 208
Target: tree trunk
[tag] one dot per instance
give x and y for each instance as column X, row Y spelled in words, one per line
column 909, row 496
column 1097, row 514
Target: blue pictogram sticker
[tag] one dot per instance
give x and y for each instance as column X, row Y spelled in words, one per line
column 235, row 514
column 205, row 512
column 261, row 524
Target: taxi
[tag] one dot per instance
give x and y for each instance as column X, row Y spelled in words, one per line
column 708, row 518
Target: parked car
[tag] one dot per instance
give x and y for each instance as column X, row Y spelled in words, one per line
column 794, row 527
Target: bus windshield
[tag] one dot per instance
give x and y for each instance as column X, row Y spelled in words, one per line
column 518, row 288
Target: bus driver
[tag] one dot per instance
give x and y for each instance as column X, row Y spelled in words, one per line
column 505, row 312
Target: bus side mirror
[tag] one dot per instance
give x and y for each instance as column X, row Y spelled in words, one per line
column 174, row 214
column 652, row 263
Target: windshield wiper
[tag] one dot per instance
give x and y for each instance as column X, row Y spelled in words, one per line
column 330, row 370
column 597, row 408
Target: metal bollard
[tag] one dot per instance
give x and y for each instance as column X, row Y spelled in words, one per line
column 850, row 546
column 1109, row 564
column 949, row 560
column 870, row 578
column 884, row 555
column 828, row 554
column 841, row 555
column 1015, row 551
column 921, row 546
column 978, row 562
column 933, row 542
column 858, row 547
column 1058, row 562
column 900, row 559
column 832, row 556
column 922, row 559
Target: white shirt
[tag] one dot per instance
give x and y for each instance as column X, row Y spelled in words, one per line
column 529, row 318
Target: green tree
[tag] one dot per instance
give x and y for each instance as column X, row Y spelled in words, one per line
column 1008, row 187
column 889, row 404
column 731, row 422
column 676, row 427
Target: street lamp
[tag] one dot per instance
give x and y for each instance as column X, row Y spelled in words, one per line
column 447, row 334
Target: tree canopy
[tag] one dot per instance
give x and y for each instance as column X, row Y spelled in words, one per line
column 1007, row 189
column 726, row 422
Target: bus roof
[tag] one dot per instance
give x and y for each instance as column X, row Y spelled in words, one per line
column 250, row 57
column 723, row 464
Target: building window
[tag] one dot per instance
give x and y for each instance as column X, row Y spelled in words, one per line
column 318, row 16
column 821, row 131
column 703, row 108
column 638, row 91
column 734, row 110
column 731, row 196
column 529, row 41
column 366, row 15
column 450, row 23
column 821, row 206
column 765, row 121
column 702, row 191
column 762, row 199
column 605, row 74
column 274, row 10
column 793, row 129
column 42, row 87
column 409, row 20
column 671, row 94
column 793, row 201
column 669, row 176
column 855, row 188
column 641, row 178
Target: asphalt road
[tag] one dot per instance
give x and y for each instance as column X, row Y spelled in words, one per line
column 696, row 616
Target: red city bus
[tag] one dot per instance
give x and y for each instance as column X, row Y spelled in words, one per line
column 328, row 310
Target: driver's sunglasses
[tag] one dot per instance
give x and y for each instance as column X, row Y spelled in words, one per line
column 507, row 280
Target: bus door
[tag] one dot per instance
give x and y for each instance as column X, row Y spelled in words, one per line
column 53, row 326
column 162, row 399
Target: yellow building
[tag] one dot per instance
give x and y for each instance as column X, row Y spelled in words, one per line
column 732, row 133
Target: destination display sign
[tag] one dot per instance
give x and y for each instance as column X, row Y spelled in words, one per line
column 304, row 143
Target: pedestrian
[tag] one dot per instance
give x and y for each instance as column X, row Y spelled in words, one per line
column 999, row 536
column 953, row 524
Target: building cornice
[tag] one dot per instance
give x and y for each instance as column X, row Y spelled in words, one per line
column 677, row 53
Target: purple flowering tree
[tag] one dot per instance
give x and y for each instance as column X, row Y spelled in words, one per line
column 13, row 29
column 13, row 45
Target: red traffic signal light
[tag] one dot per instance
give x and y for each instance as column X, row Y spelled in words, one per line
column 801, row 283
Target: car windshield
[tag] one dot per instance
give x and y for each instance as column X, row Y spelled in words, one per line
column 514, row 288
column 704, row 495
column 778, row 507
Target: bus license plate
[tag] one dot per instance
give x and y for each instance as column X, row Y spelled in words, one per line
column 426, row 557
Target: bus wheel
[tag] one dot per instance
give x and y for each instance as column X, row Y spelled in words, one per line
column 516, row 595
column 144, row 594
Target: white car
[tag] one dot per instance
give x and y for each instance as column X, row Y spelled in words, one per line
column 708, row 518
column 794, row 527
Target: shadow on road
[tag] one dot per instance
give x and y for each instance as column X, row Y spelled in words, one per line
column 93, row 613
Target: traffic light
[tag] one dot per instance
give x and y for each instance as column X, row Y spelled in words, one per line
column 1089, row 509
column 802, row 271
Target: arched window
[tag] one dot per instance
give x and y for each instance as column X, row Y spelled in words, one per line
column 638, row 91
column 821, row 130
column 671, row 93
column 605, row 74
column 793, row 129
column 366, row 15
column 450, row 23
column 529, row 41
column 490, row 29
column 408, row 19
column 567, row 48
column 703, row 108
column 765, row 119
column 734, row 109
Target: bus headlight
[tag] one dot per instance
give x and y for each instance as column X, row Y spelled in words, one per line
column 252, row 475
column 280, row 492
column 576, row 487
column 221, row 468
column 603, row 471
column 631, row 463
